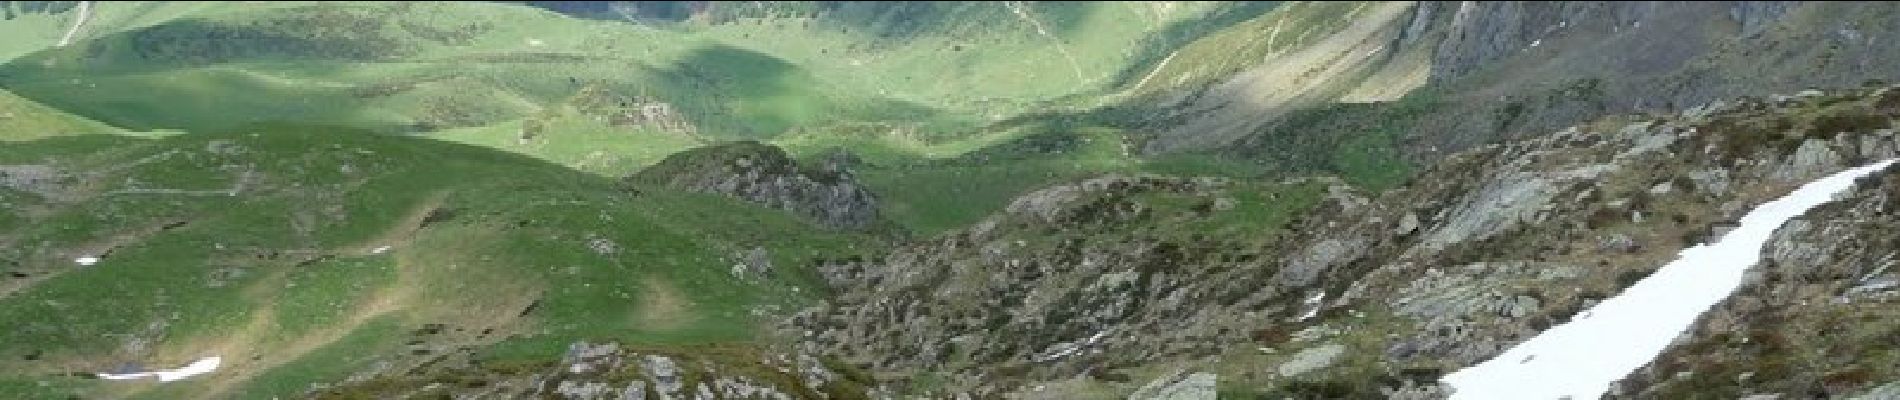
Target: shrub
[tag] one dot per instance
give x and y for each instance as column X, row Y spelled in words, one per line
column 1848, row 120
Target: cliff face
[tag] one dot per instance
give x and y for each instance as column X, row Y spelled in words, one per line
column 1536, row 67
column 1506, row 70
column 1099, row 286
column 1480, row 33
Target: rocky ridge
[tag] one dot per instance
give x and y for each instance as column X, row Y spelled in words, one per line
column 604, row 371
column 1079, row 287
column 828, row 195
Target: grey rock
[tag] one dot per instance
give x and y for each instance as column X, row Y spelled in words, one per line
column 814, row 370
column 1312, row 359
column 740, row 388
column 1178, row 386
column 1754, row 16
column 1407, row 225
column 1889, row 391
column 37, row 179
column 1411, row 391
column 1715, row 181
column 1502, row 203
column 1617, row 242
column 1647, row 138
column 1308, row 264
column 583, row 390
column 1662, row 189
column 1812, row 160
column 754, row 263
column 665, row 375
column 603, row 246
column 763, row 174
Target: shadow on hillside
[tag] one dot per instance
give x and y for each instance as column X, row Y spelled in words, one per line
column 1180, row 33
column 763, row 96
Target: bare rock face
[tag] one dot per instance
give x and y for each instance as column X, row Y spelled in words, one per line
column 828, row 195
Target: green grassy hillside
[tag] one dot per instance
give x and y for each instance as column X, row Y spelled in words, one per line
column 32, row 26
column 302, row 255
column 369, row 184
column 427, row 67
column 22, row 119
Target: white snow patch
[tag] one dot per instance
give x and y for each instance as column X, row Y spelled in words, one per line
column 86, row 261
column 202, row 366
column 1580, row 359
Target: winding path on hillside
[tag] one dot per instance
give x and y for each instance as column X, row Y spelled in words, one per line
column 85, row 11
column 1581, row 358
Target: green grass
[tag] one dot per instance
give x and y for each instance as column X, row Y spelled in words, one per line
column 520, row 234
column 323, row 293
column 331, row 363
column 580, row 143
column 1359, row 142
column 22, row 119
column 939, row 69
column 28, row 31
column 1223, row 52
column 933, row 187
column 38, row 388
column 424, row 106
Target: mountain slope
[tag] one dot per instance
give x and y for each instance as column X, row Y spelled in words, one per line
column 424, row 66
column 280, row 247
column 1362, row 296
column 937, row 200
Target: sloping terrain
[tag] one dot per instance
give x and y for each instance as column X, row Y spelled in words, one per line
column 306, row 255
column 1363, row 296
column 842, row 200
column 498, row 75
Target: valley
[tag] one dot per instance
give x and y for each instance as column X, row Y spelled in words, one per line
column 958, row 200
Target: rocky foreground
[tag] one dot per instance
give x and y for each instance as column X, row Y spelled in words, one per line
column 1157, row 287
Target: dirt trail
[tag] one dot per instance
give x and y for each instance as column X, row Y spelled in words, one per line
column 250, row 351
column 85, row 11
column 662, row 307
column 241, row 367
column 1023, row 13
column 392, row 298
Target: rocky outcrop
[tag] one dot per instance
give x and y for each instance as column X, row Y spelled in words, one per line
column 1535, row 67
column 1068, row 280
column 1814, row 320
column 1180, row 386
column 604, row 371
column 616, row 109
column 1480, row 251
column 1500, row 71
column 828, row 194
